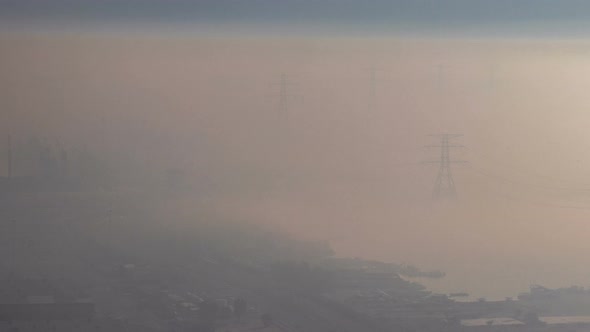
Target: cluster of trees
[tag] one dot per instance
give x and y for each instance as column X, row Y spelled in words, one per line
column 302, row 277
column 251, row 244
column 210, row 312
column 404, row 270
column 44, row 160
column 540, row 292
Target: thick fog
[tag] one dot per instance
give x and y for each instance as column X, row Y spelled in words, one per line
column 340, row 157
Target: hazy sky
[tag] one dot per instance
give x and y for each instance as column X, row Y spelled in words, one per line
column 332, row 168
column 333, row 10
column 498, row 17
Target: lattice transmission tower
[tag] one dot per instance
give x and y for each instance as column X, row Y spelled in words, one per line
column 444, row 186
column 285, row 95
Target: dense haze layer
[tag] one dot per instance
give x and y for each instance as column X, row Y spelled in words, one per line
column 335, row 163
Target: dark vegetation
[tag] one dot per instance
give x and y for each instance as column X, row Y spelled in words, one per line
column 144, row 262
column 151, row 257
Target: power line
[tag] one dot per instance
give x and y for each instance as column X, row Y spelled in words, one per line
column 526, row 184
column 552, row 182
column 528, row 200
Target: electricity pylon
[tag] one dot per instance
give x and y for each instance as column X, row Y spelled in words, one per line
column 444, row 186
column 285, row 96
